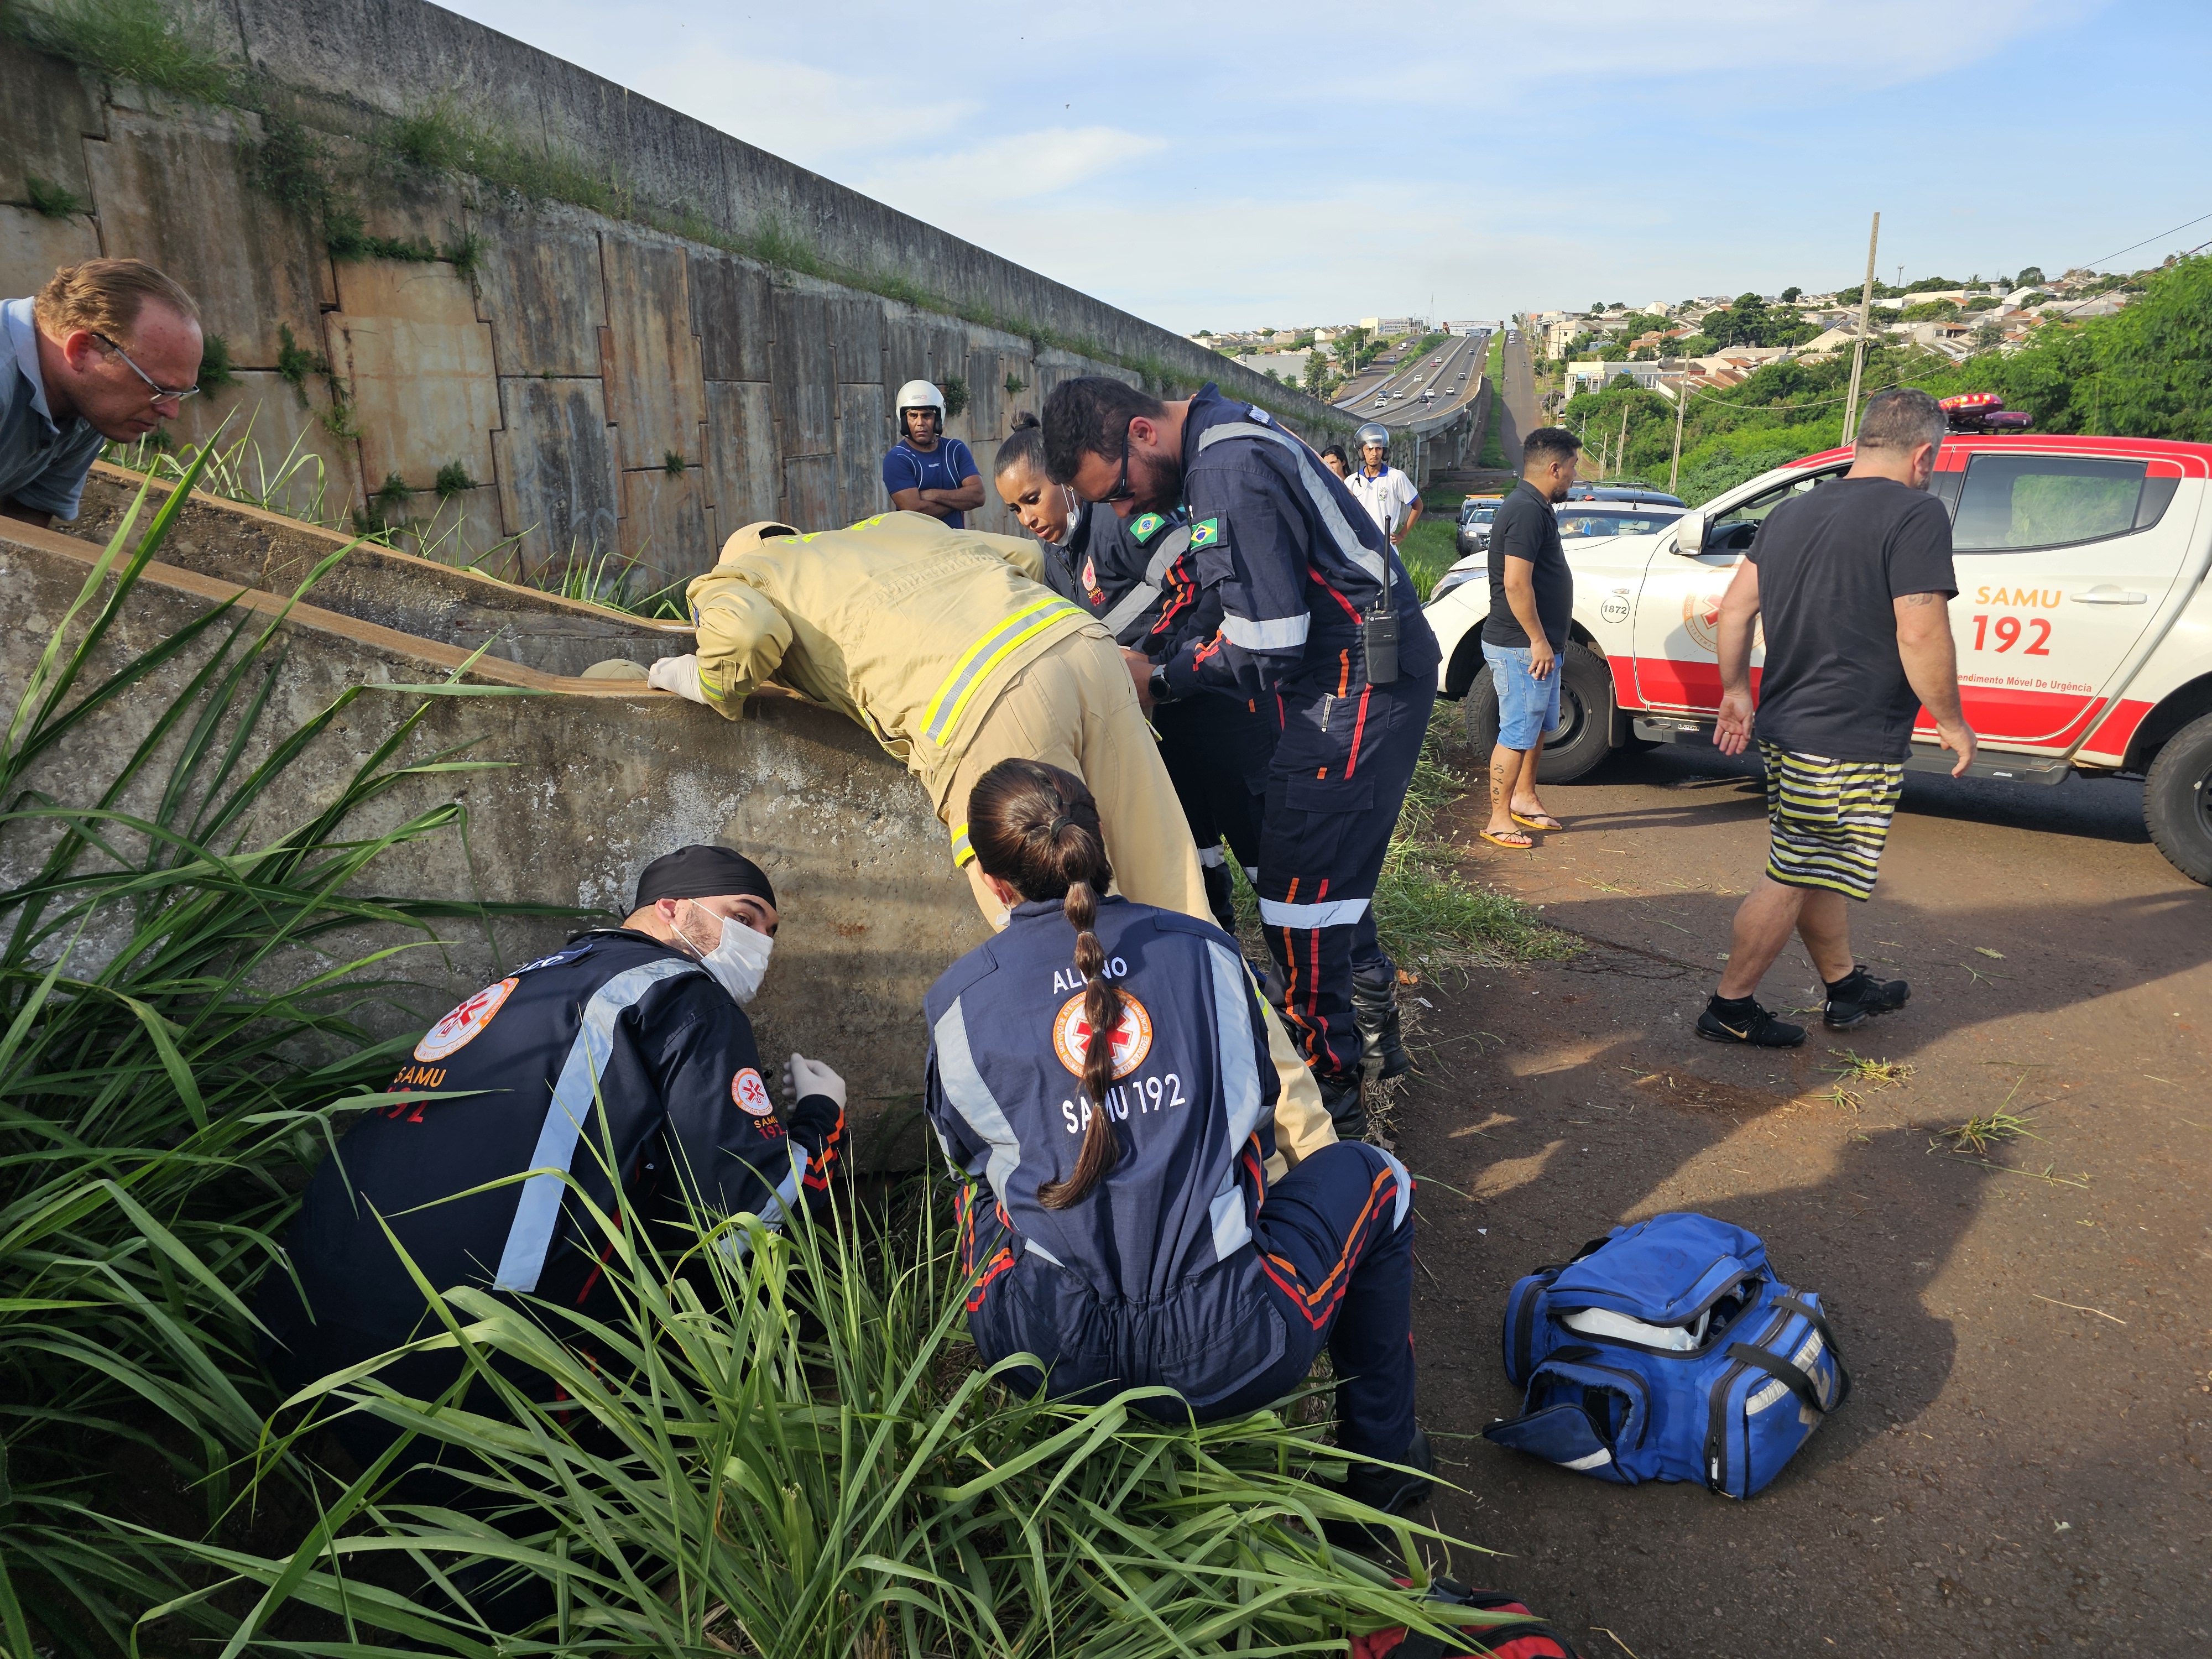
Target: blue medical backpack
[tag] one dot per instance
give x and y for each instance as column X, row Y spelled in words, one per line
column 1758, row 1372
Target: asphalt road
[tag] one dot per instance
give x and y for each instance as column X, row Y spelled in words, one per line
column 1518, row 411
column 1462, row 360
column 2021, row 1467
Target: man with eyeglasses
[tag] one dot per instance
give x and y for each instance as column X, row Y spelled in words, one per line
column 1320, row 627
column 106, row 351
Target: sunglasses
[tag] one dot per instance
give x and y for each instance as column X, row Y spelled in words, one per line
column 1121, row 491
column 173, row 394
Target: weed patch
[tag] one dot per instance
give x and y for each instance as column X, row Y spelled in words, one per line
column 52, row 200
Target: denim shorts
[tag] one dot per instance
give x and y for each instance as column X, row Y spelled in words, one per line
column 1528, row 708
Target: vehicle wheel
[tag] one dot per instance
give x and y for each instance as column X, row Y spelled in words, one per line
column 1585, row 702
column 2178, row 800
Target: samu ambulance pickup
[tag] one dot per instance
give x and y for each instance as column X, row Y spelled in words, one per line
column 2083, row 621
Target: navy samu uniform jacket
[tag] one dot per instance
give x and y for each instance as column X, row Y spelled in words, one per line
column 617, row 1038
column 1294, row 560
column 1152, row 1277
column 1134, row 575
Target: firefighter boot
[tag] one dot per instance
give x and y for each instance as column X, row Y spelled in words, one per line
column 1375, row 1005
column 1341, row 1093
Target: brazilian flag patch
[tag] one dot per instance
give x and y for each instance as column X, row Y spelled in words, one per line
column 1145, row 526
column 1204, row 533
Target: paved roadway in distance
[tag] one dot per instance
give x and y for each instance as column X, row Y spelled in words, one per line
column 2021, row 1467
column 1514, row 407
column 1462, row 352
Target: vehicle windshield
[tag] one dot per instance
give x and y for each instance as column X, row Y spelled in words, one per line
column 1732, row 532
column 1578, row 522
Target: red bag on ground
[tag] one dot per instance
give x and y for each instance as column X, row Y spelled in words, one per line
column 1514, row 1641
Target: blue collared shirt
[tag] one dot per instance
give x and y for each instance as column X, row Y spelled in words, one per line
column 42, row 466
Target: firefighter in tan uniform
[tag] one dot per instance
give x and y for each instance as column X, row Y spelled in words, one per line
column 943, row 646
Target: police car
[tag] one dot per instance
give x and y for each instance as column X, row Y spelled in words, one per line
column 2083, row 621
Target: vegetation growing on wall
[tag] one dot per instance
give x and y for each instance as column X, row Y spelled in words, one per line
column 52, row 200
column 334, row 185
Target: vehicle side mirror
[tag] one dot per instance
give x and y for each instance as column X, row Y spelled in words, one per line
column 1690, row 533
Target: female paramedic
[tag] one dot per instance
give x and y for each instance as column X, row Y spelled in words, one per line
column 1099, row 1075
column 1133, row 576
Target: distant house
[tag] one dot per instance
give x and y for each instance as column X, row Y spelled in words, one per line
column 1597, row 376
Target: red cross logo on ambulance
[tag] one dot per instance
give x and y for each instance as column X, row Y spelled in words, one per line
column 458, row 1028
column 1701, row 616
column 1132, row 1036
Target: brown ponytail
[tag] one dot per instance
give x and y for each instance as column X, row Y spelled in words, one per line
column 1036, row 828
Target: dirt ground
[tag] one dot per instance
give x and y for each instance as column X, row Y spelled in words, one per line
column 2022, row 1465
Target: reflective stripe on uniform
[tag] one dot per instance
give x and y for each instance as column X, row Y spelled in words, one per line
column 1332, row 516
column 1271, row 635
column 1335, row 912
column 1171, row 548
column 538, row 1212
column 1233, row 995
column 1211, row 858
column 962, row 851
column 963, row 1085
column 976, row 663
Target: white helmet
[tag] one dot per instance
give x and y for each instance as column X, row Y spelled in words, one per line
column 1373, row 433
column 919, row 394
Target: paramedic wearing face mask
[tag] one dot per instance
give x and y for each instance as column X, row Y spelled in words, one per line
column 629, row 1041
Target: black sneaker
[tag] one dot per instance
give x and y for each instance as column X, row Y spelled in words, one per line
column 1748, row 1024
column 1858, row 996
column 1392, row 1492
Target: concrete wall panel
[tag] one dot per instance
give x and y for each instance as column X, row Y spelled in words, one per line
column 664, row 526
column 460, row 529
column 743, row 474
column 538, row 284
column 804, row 374
column 810, row 494
column 864, row 433
column 557, row 485
column 856, row 335
column 174, row 191
column 418, row 366
column 276, row 445
column 730, row 312
column 32, row 246
column 46, row 111
column 656, row 395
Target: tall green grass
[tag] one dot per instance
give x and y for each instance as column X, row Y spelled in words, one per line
column 175, row 1035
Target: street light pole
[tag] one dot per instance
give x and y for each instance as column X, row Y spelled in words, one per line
column 1858, row 346
column 1681, row 403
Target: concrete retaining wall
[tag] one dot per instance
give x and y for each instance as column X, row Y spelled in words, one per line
column 599, row 778
column 605, row 388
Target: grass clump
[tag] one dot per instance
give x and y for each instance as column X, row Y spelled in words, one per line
column 51, row 200
column 139, row 41
column 1987, row 1129
column 218, row 372
column 452, row 479
column 1423, row 909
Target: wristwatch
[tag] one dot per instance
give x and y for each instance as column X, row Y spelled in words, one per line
column 1157, row 685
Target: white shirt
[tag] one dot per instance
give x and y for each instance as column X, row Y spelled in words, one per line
column 1386, row 495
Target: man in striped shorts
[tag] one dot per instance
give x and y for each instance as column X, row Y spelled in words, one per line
column 1853, row 579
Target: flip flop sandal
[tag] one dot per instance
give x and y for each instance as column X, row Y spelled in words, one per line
column 1522, row 845
column 1547, row 823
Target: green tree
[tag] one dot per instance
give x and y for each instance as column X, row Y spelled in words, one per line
column 2029, row 276
column 1317, row 374
column 1791, row 293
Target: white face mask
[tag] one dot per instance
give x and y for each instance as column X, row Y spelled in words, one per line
column 739, row 958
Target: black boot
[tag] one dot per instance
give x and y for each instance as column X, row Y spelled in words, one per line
column 1390, row 1490
column 1375, row 1007
column 1220, row 896
column 1340, row 1094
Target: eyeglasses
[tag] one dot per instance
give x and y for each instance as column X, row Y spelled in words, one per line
column 173, row 394
column 1121, row 491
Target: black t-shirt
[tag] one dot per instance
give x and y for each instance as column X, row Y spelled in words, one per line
column 1526, row 527
column 1831, row 565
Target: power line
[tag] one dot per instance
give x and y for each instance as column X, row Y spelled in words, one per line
column 2146, row 242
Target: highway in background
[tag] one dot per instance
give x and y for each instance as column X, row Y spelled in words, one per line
column 1516, row 408
column 1453, row 369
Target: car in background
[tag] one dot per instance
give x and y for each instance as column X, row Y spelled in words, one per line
column 1623, row 492
column 2082, row 624
column 1587, row 521
column 1473, row 535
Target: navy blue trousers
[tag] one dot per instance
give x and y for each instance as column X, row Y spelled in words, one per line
column 1215, row 750
column 1336, row 1239
column 1335, row 787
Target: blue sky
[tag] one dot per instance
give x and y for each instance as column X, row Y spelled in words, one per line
column 1229, row 166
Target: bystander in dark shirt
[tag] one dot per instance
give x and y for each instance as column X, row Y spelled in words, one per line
column 1526, row 527
column 1831, row 565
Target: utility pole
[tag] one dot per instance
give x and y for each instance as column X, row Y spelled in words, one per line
column 1681, row 405
column 1620, row 444
column 1858, row 346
